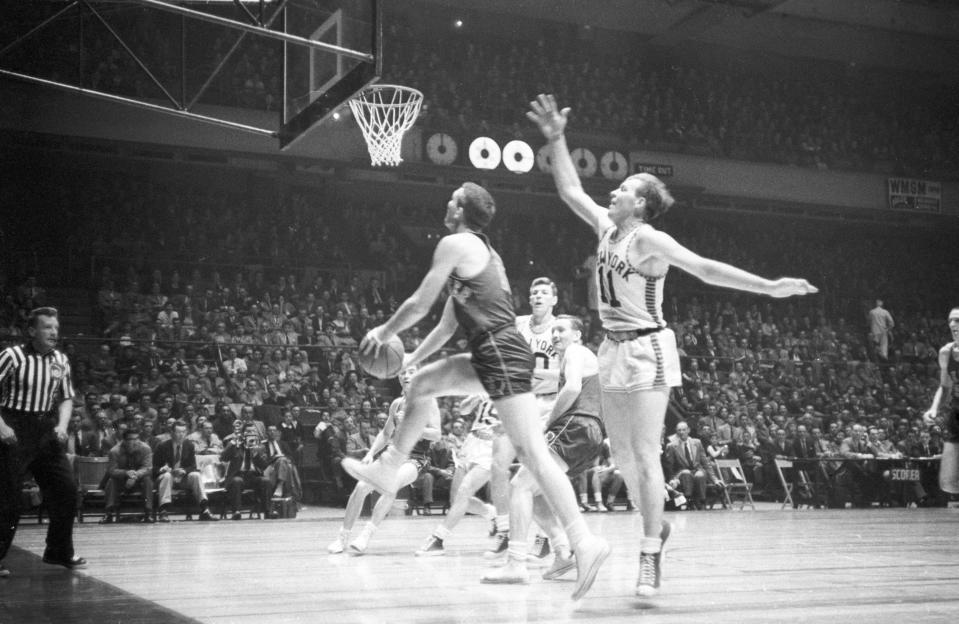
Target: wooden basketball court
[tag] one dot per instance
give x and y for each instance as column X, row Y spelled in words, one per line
column 871, row 565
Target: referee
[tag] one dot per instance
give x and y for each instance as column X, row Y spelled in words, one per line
column 36, row 400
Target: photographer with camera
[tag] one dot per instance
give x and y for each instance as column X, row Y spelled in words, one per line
column 246, row 461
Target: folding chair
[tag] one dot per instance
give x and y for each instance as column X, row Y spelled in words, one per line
column 91, row 474
column 735, row 483
column 787, row 486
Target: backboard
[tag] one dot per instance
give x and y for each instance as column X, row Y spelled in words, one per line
column 318, row 82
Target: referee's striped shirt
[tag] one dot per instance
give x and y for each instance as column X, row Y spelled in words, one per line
column 33, row 382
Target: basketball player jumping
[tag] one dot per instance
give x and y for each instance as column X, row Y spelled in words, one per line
column 409, row 471
column 638, row 360
column 499, row 363
column 949, row 387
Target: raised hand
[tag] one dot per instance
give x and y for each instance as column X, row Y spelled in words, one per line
column 790, row 287
column 545, row 114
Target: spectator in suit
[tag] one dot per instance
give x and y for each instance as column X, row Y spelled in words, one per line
column 686, row 467
column 205, row 440
column 130, row 466
column 79, row 441
column 856, row 476
column 281, row 470
column 290, row 433
column 174, row 467
column 246, row 462
column 880, row 329
column 247, row 416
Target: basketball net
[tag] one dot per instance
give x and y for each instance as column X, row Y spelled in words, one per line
column 384, row 114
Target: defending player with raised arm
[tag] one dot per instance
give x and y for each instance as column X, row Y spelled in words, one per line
column 639, row 361
column 412, row 468
column 948, row 387
column 499, row 363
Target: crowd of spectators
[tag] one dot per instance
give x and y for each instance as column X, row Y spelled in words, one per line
column 817, row 116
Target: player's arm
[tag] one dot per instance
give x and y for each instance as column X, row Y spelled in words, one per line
column 655, row 243
column 445, row 258
column 434, row 428
column 573, row 366
column 945, row 385
column 382, row 438
column 552, row 123
column 438, row 337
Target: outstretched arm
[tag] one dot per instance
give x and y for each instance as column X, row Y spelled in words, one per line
column 445, row 259
column 552, row 123
column 663, row 246
column 438, row 337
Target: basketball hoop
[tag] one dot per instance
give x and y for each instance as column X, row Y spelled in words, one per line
column 385, row 113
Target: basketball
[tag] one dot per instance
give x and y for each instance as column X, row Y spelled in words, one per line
column 388, row 363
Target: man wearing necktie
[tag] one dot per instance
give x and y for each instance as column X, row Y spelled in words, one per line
column 686, row 467
column 174, row 467
column 281, row 472
column 246, row 461
column 854, row 474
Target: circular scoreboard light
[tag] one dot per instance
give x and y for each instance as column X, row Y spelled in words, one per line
column 484, row 153
column 613, row 166
column 543, row 159
column 518, row 156
column 584, row 161
column 442, row 149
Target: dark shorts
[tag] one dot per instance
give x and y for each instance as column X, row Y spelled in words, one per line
column 503, row 362
column 950, row 432
column 578, row 440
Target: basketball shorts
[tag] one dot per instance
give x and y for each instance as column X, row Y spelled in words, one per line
column 646, row 363
column 578, row 440
column 503, row 362
column 950, row 432
column 477, row 451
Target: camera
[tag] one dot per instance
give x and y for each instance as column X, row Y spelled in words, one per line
column 250, row 441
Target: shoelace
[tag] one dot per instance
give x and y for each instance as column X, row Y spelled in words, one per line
column 647, row 569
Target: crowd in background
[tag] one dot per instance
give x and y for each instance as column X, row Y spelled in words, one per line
column 821, row 116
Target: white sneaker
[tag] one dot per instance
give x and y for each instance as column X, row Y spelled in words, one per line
column 513, row 573
column 432, row 548
column 359, row 544
column 590, row 555
column 338, row 545
column 560, row 566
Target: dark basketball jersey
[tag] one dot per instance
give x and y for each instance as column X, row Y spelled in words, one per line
column 484, row 302
column 587, row 403
column 952, row 369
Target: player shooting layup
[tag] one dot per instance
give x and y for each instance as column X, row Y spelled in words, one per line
column 499, row 363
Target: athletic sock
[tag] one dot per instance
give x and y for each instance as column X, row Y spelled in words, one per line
column 502, row 522
column 577, row 531
column 650, row 545
column 441, row 532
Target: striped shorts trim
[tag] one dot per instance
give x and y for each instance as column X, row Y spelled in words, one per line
column 645, row 363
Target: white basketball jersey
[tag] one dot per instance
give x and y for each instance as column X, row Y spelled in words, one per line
column 627, row 299
column 486, row 421
column 544, row 355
